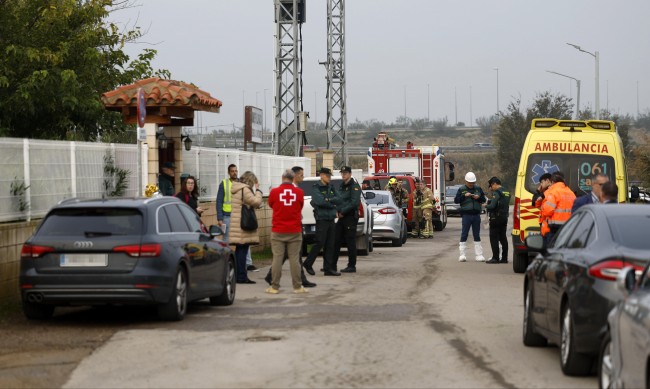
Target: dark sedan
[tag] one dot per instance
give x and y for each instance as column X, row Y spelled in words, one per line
column 570, row 288
column 124, row 251
column 625, row 352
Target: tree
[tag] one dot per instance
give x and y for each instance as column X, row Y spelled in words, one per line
column 513, row 128
column 57, row 58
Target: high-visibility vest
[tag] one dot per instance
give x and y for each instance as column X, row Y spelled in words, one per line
column 227, row 195
column 556, row 208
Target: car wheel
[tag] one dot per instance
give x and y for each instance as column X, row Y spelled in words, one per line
column 571, row 361
column 397, row 242
column 437, row 225
column 405, row 235
column 520, row 261
column 36, row 311
column 176, row 307
column 371, row 246
column 605, row 367
column 227, row 297
column 531, row 339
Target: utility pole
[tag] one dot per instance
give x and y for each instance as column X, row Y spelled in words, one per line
column 337, row 121
column 289, row 14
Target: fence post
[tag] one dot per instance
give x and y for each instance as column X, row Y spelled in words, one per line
column 28, row 191
column 73, row 168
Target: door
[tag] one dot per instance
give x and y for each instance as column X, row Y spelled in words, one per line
column 634, row 335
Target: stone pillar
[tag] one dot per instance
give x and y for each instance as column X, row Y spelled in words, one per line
column 152, row 155
column 328, row 159
column 174, row 134
column 313, row 156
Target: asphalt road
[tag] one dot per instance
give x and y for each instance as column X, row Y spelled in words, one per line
column 410, row 317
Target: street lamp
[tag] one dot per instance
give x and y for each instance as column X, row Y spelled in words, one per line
column 596, row 56
column 497, row 69
column 578, row 86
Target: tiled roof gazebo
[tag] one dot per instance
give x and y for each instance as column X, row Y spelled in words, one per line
column 169, row 104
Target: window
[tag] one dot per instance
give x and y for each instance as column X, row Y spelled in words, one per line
column 92, row 221
column 631, row 231
column 308, row 186
column 192, row 218
column 582, row 235
column 176, row 219
column 578, row 169
column 163, row 221
column 562, row 238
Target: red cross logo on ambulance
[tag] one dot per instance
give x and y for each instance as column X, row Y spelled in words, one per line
column 288, row 197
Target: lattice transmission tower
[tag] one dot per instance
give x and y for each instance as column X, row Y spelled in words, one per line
column 289, row 15
column 337, row 121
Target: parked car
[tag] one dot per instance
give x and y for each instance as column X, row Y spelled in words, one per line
column 379, row 182
column 364, row 225
column 625, row 351
column 569, row 288
column 124, row 251
column 389, row 223
column 450, row 194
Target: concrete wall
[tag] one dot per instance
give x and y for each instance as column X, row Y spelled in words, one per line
column 13, row 235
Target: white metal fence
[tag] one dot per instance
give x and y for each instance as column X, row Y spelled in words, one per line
column 37, row 174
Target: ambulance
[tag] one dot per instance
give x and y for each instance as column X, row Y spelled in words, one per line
column 580, row 149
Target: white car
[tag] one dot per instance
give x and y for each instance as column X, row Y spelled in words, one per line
column 364, row 226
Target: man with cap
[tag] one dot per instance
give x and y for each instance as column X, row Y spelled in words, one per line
column 347, row 211
column 498, row 209
column 166, row 179
column 470, row 197
column 323, row 199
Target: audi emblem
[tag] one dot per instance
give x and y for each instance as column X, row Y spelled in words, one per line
column 83, row 244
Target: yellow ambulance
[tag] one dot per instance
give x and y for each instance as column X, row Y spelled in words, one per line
column 580, row 149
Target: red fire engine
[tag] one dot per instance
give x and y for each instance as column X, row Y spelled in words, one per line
column 385, row 158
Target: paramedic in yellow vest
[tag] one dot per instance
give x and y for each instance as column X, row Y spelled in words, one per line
column 224, row 197
column 423, row 203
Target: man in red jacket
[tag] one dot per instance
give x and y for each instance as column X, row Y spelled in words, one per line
column 286, row 201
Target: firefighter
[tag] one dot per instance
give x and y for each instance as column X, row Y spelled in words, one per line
column 423, row 203
column 400, row 195
column 556, row 207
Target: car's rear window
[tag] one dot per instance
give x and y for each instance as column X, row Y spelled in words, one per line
column 308, row 186
column 451, row 191
column 380, row 184
column 379, row 199
column 92, row 222
column 631, row 231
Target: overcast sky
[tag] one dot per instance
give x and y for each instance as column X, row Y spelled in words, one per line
column 395, row 50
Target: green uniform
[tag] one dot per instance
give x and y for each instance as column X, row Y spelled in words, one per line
column 324, row 199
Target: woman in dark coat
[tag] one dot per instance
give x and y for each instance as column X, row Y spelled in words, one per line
column 190, row 194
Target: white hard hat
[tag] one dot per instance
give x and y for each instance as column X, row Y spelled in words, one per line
column 470, row 177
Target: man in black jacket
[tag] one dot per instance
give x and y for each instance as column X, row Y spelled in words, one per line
column 498, row 211
column 324, row 200
column 348, row 214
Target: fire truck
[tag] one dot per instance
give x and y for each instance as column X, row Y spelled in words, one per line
column 386, row 158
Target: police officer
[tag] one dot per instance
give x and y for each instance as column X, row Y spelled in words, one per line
column 323, row 200
column 498, row 209
column 347, row 211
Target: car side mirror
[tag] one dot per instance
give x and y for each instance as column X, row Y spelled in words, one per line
column 215, row 231
column 535, row 243
column 370, row 195
column 626, row 280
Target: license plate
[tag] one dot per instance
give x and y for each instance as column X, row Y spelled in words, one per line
column 531, row 233
column 83, row 260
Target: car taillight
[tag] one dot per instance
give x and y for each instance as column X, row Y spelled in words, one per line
column 33, row 251
column 516, row 222
column 609, row 269
column 139, row 250
column 361, row 215
column 387, row 211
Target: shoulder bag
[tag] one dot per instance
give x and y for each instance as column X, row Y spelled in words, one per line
column 248, row 217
